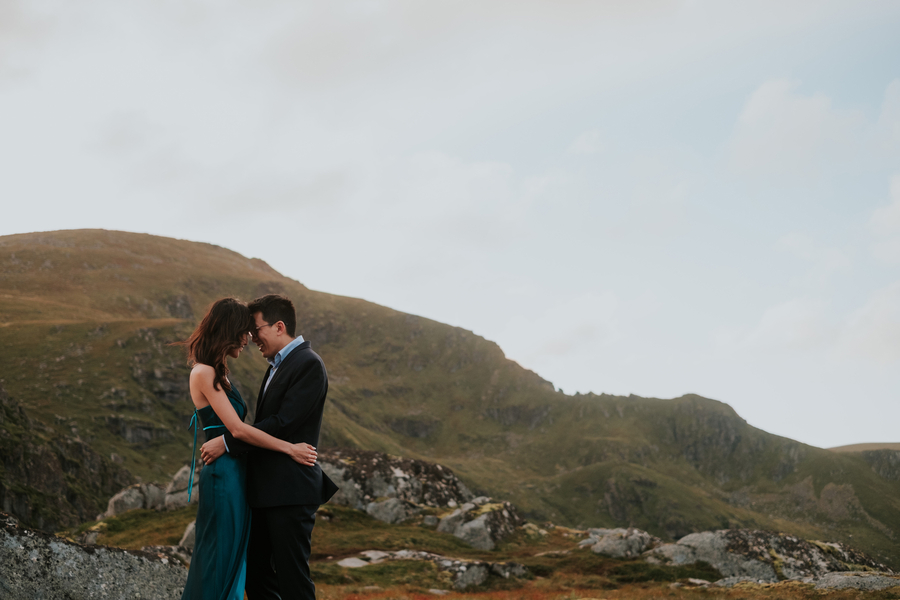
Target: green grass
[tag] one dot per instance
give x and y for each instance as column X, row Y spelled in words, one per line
column 138, row 528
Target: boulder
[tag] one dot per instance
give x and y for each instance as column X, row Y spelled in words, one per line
column 761, row 556
column 481, row 526
column 450, row 523
column 182, row 479
column 180, row 499
column 364, row 476
column 624, row 543
column 39, row 565
column 130, row 498
column 154, row 496
column 472, row 575
column 857, row 580
column 476, row 533
column 190, row 534
column 390, row 511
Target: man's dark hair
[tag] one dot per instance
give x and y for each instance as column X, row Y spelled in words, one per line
column 274, row 308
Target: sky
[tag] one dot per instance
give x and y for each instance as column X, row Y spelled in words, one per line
column 636, row 197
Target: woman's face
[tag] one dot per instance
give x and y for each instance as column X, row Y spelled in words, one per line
column 235, row 352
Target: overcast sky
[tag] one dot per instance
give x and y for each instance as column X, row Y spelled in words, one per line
column 629, row 197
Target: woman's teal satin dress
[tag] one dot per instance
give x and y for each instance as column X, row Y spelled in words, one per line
column 219, row 563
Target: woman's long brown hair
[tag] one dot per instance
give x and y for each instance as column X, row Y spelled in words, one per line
column 219, row 332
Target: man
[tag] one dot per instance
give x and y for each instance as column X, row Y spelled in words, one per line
column 282, row 494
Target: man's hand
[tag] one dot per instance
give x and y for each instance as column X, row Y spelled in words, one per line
column 212, row 450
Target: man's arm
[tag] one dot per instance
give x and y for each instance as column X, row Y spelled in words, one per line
column 299, row 401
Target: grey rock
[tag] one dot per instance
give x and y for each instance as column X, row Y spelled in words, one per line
column 154, row 496
column 38, row 565
column 465, row 573
column 89, row 538
column 190, row 535
column 626, row 543
column 391, row 510
column 353, row 563
column 733, row 581
column 484, row 527
column 364, row 476
column 181, row 480
column 176, row 553
column 451, row 522
column 180, row 499
column 375, row 556
column 507, row 570
column 130, row 498
column 472, row 575
column 743, row 554
column 712, row 547
column 476, row 533
column 430, row 521
column 857, row 580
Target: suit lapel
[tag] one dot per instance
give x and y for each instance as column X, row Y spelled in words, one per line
column 281, row 368
column 262, row 391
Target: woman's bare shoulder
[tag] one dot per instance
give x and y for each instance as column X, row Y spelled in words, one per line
column 202, row 373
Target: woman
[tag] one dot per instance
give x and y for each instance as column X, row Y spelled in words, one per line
column 218, row 566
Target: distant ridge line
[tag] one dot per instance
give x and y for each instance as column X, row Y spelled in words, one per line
column 864, row 447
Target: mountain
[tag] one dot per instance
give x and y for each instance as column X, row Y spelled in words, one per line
column 86, row 319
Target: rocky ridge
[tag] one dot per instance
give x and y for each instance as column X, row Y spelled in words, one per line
column 40, row 565
column 393, row 489
column 48, row 480
column 743, row 555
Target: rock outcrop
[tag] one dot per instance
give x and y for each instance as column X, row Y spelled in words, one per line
column 760, row 556
column 620, row 543
column 366, row 477
column 865, row 581
column 48, row 481
column 393, row 489
column 466, row 573
column 39, row 565
column 155, row 497
column 481, row 523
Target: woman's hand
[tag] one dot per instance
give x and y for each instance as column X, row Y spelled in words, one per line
column 303, row 454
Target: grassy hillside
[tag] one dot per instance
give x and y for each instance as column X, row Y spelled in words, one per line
column 86, row 318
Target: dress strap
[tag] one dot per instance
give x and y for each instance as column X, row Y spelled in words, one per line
column 193, row 424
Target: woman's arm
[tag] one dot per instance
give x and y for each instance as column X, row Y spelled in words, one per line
column 203, row 392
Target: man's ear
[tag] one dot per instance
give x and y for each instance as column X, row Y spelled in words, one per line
column 280, row 327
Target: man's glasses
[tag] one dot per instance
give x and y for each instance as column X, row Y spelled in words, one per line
column 255, row 331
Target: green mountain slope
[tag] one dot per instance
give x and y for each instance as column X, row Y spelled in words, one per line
column 85, row 322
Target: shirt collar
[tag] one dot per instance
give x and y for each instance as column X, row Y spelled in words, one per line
column 276, row 362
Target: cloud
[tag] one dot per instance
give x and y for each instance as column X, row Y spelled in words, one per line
column 783, row 133
column 823, row 261
column 796, row 325
column 873, row 330
column 886, row 219
column 799, row 323
column 588, row 142
column 21, row 33
column 885, row 224
column 889, row 119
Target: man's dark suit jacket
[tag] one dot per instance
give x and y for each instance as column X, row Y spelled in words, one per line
column 290, row 409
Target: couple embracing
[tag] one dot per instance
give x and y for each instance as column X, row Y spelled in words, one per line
column 261, row 486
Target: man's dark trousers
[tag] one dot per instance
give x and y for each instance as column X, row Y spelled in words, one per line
column 278, row 565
